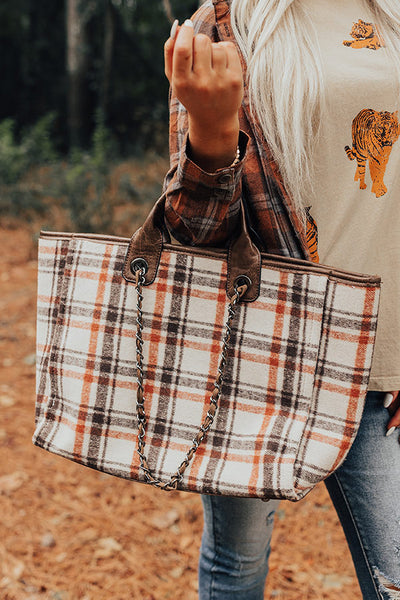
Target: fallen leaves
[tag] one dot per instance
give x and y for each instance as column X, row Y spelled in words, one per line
column 6, row 401
column 12, row 482
column 107, row 547
column 11, row 568
column 165, row 520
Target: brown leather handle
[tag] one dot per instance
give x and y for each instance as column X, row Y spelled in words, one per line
column 244, row 259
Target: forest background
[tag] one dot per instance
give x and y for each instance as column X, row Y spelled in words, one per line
column 82, row 89
column 84, row 147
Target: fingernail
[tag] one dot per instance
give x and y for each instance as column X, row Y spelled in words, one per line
column 390, row 431
column 388, row 400
column 174, row 29
column 188, row 23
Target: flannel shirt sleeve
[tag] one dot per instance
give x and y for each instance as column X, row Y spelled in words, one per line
column 203, row 208
column 200, row 208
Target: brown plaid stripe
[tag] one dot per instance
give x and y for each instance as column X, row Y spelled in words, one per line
column 285, row 393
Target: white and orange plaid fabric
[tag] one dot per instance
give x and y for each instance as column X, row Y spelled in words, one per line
column 294, row 389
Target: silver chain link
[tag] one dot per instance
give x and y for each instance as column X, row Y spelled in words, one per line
column 175, row 479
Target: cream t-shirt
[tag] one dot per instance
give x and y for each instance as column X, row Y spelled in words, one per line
column 357, row 185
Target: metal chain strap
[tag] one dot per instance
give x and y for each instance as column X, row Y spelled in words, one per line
column 175, row 479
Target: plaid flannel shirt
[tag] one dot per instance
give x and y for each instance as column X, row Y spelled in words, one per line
column 203, row 208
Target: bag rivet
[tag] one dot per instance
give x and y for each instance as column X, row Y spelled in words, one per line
column 139, row 264
column 243, row 280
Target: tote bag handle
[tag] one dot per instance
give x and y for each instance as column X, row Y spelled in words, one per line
column 243, row 258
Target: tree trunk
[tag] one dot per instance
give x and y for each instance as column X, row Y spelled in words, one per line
column 108, row 47
column 77, row 64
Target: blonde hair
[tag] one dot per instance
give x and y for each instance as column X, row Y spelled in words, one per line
column 285, row 79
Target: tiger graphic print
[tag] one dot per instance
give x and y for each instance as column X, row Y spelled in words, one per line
column 374, row 134
column 312, row 236
column 364, row 35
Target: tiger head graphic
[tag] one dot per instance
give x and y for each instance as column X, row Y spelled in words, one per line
column 364, row 35
column 362, row 30
column 386, row 128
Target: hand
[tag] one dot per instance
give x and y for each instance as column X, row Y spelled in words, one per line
column 207, row 79
column 393, row 406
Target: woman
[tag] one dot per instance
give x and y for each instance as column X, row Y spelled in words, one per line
column 293, row 104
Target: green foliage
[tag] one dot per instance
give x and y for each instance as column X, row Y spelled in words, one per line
column 34, row 147
column 78, row 185
column 91, row 191
column 103, row 144
column 18, row 155
column 12, row 158
column 39, row 141
column 81, row 185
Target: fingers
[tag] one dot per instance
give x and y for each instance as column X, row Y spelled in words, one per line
column 197, row 72
column 219, row 57
column 232, row 56
column 388, row 399
column 226, row 59
column 392, row 403
column 202, row 54
column 169, row 49
column 182, row 59
column 394, row 423
column 168, row 53
column 174, row 29
column 185, row 52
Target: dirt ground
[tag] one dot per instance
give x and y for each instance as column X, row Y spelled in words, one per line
column 70, row 533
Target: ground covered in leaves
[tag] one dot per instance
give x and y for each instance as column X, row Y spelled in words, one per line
column 70, row 533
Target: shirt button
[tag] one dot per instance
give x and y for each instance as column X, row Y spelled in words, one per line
column 224, row 178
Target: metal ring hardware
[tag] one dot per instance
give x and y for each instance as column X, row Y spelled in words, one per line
column 139, row 264
column 242, row 280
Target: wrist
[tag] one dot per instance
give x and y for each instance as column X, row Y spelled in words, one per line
column 213, row 147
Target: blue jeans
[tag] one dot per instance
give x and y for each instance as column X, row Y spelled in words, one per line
column 365, row 491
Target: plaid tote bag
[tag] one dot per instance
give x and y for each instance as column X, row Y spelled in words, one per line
column 220, row 372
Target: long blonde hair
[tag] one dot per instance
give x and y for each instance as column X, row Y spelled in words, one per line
column 285, row 79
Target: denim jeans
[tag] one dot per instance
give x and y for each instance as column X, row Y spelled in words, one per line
column 365, row 491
